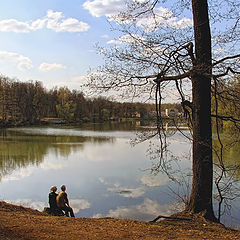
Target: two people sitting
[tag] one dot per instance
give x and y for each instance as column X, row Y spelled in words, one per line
column 59, row 202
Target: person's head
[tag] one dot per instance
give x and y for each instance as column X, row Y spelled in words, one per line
column 53, row 189
column 63, row 187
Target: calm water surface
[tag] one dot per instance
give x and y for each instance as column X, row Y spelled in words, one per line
column 104, row 174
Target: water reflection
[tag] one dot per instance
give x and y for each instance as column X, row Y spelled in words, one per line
column 101, row 170
column 22, row 147
column 104, row 175
column 231, row 155
column 145, row 210
column 77, row 204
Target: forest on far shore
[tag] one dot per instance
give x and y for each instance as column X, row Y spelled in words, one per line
column 27, row 103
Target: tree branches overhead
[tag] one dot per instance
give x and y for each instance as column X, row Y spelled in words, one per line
column 155, row 51
column 155, row 44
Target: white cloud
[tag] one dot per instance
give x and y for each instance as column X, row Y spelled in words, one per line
column 54, row 15
column 99, row 8
column 56, row 23
column 12, row 25
column 53, row 20
column 46, row 67
column 73, row 83
column 38, row 24
column 154, row 181
column 72, row 25
column 114, row 41
column 182, row 23
column 144, row 211
column 163, row 17
column 125, row 39
column 219, row 50
column 79, row 79
column 23, row 63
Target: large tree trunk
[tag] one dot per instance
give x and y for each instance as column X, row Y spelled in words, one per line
column 202, row 183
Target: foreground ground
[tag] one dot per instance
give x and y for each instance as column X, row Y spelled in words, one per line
column 20, row 223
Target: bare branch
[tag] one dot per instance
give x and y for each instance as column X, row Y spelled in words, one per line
column 226, row 118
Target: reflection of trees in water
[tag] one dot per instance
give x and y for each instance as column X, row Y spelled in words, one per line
column 231, row 155
column 18, row 150
column 227, row 179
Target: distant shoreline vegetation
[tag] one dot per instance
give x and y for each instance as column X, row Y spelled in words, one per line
column 29, row 103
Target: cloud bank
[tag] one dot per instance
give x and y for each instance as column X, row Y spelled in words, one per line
column 54, row 21
column 23, row 63
column 108, row 8
column 163, row 17
column 47, row 67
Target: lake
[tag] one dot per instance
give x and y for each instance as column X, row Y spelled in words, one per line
column 105, row 175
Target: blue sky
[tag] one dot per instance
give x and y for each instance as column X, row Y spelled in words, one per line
column 50, row 41
column 53, row 41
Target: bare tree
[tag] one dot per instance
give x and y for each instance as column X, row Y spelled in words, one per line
column 161, row 48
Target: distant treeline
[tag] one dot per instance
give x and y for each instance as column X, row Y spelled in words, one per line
column 23, row 103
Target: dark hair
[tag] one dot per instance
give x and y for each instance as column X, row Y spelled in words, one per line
column 63, row 187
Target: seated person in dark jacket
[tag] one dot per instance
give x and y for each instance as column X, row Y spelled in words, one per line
column 54, row 209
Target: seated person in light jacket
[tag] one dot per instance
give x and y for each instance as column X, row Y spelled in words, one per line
column 63, row 203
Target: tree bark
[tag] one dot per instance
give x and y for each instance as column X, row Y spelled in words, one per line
column 202, row 183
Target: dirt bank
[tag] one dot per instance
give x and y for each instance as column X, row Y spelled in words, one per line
column 20, row 223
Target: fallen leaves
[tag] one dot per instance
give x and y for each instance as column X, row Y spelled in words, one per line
column 17, row 223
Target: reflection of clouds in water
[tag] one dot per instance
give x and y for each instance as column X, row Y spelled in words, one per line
column 179, row 145
column 28, row 203
column 128, row 192
column 101, row 180
column 51, row 131
column 18, row 174
column 147, row 210
column 123, row 191
column 46, row 165
column 98, row 155
column 79, row 204
column 154, row 180
column 148, row 180
column 95, row 156
column 107, row 183
column 119, row 152
column 76, row 204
